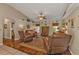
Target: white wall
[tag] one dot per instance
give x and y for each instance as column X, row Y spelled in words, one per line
column 74, row 46
column 7, row 11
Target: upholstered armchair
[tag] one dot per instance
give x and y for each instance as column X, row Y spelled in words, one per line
column 25, row 38
column 59, row 44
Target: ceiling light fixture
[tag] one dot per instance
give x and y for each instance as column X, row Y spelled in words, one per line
column 41, row 16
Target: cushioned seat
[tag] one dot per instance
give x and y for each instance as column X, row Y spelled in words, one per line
column 60, row 44
column 25, row 38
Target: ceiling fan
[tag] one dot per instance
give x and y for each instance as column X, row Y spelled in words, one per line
column 41, row 16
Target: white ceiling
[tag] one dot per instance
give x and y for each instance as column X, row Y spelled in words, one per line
column 53, row 11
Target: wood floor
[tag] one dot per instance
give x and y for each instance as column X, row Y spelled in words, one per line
column 27, row 49
column 5, row 50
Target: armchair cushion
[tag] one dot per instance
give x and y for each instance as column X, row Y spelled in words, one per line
column 60, row 44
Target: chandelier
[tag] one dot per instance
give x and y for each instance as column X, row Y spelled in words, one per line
column 41, row 16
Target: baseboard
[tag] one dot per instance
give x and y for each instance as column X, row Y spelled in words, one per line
column 71, row 52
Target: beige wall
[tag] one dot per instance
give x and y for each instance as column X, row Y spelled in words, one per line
column 7, row 11
column 74, row 46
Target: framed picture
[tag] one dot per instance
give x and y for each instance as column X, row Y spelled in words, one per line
column 72, row 23
column 37, row 24
column 69, row 20
column 5, row 26
column 66, row 23
column 28, row 26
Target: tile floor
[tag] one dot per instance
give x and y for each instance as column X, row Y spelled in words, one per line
column 5, row 50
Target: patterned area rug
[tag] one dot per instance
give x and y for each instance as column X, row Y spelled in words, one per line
column 5, row 50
